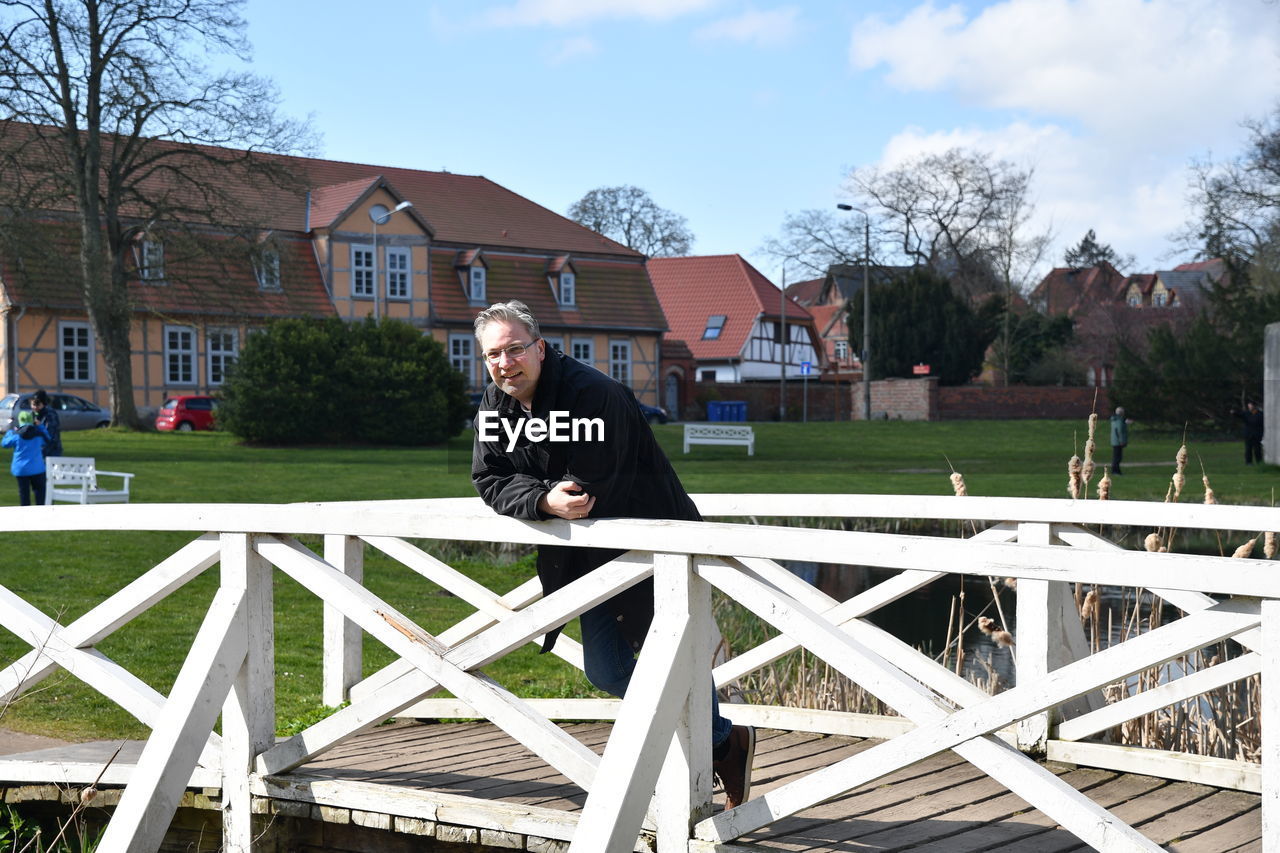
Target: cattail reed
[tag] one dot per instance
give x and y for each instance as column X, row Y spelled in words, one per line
column 1152, row 542
column 1245, row 550
column 1269, row 545
column 957, row 483
column 1104, row 485
column 1087, row 469
column 1209, row 496
column 1089, row 609
column 1074, row 480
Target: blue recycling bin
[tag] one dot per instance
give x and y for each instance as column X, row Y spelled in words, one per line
column 715, row 410
column 734, row 410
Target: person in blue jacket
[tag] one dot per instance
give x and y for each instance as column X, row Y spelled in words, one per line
column 28, row 441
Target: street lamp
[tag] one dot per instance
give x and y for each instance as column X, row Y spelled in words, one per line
column 866, row 308
column 380, row 214
column 782, row 345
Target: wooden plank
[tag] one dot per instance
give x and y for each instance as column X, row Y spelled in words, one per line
column 1181, row 766
column 248, row 713
column 470, row 521
column 1269, row 711
column 342, row 653
column 637, row 748
column 1242, row 829
column 148, row 803
column 1161, row 696
column 1200, row 816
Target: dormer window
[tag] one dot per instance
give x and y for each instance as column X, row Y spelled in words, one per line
column 479, row 276
column 267, row 270
column 715, row 324
column 151, row 262
column 568, row 288
column 1135, row 296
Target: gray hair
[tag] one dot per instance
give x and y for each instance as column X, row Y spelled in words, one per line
column 514, row 311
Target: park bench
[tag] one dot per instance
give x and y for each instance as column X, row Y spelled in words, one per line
column 730, row 434
column 74, row 479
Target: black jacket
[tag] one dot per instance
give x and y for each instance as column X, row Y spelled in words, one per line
column 626, row 472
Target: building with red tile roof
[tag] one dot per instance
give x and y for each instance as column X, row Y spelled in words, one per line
column 460, row 243
column 729, row 315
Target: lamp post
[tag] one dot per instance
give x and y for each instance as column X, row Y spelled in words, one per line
column 782, row 345
column 379, row 214
column 866, row 308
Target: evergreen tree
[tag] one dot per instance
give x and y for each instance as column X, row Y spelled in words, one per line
column 918, row 318
column 1089, row 253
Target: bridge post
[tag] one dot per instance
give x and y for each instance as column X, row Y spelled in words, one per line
column 342, row 637
column 1034, row 614
column 683, row 795
column 248, row 714
column 1270, row 713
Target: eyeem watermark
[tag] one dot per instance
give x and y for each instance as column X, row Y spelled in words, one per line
column 557, row 427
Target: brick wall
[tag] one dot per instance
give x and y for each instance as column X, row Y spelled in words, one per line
column 974, row 402
column 899, row 399
column 828, row 401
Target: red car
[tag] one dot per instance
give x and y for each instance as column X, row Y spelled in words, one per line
column 187, row 413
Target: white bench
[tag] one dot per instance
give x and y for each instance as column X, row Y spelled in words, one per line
column 74, row 479
column 731, row 434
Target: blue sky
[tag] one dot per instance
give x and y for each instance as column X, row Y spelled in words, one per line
column 734, row 113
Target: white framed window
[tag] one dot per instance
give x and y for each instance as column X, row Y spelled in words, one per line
column 620, row 361
column 479, row 279
column 583, row 350
column 1160, row 298
column 224, row 347
column 151, row 262
column 462, row 355
column 362, row 271
column 75, row 352
column 842, row 350
column 397, row 273
column 568, row 288
column 179, row 355
column 267, row 268
column 556, row 344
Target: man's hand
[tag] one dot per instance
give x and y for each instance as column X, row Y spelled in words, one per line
column 567, row 500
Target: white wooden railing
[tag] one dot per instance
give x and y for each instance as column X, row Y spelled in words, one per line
column 654, row 776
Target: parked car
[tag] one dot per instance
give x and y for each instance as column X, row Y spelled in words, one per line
column 73, row 412
column 187, row 412
column 654, row 414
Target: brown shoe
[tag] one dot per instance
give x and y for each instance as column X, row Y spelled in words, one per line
column 734, row 770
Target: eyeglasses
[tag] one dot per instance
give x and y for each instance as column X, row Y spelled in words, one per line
column 513, row 352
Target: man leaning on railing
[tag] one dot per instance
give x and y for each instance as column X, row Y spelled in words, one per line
column 525, row 466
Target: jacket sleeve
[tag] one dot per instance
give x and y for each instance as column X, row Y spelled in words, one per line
column 10, row 438
column 505, row 489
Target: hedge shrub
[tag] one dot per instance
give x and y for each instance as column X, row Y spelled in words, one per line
column 329, row 381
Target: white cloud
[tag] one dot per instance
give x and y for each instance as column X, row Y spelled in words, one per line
column 764, row 29
column 564, row 13
column 1150, row 66
column 1109, row 100
column 574, row 48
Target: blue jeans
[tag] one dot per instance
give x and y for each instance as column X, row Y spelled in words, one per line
column 609, row 662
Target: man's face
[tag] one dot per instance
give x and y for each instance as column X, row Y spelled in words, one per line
column 516, row 376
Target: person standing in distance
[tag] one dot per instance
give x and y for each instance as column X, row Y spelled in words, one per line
column 624, row 474
column 47, row 417
column 1119, row 438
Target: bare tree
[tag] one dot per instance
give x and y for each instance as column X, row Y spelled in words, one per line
column 946, row 210
column 628, row 215
column 112, row 124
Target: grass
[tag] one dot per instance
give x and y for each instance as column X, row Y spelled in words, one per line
column 68, row 575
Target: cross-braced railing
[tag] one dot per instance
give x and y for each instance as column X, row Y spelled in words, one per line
column 654, row 775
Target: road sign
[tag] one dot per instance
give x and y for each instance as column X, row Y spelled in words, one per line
column 920, row 369
column 806, row 367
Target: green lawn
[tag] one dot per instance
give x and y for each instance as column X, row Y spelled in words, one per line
column 68, row 574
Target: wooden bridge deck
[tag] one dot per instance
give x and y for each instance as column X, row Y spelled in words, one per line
column 942, row 805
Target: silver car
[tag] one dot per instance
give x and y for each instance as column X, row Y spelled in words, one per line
column 73, row 412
